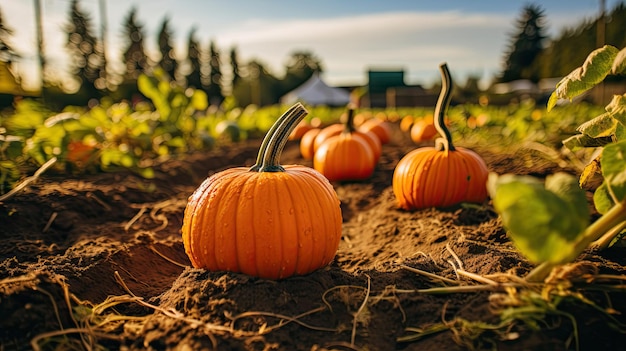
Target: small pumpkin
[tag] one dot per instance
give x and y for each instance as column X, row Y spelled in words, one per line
column 443, row 175
column 407, row 122
column 379, row 127
column 327, row 132
column 347, row 155
column 306, row 143
column 267, row 221
column 302, row 127
column 423, row 130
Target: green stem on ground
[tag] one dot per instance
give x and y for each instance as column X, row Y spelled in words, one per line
column 595, row 231
column 445, row 142
column 607, row 238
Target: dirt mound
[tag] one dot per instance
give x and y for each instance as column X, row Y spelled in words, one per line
column 98, row 260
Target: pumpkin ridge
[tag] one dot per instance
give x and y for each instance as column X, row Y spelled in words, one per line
column 330, row 223
column 446, row 191
column 206, row 217
column 306, row 235
column 245, row 237
column 288, row 225
column 425, row 181
column 225, row 219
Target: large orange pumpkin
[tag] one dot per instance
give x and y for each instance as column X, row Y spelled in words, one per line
column 443, row 175
column 268, row 221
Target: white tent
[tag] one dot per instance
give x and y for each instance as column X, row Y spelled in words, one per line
column 315, row 92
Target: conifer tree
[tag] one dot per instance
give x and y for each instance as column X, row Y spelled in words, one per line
column 168, row 57
column 134, row 57
column 7, row 54
column 525, row 46
column 214, row 89
column 234, row 64
column 194, row 55
column 86, row 52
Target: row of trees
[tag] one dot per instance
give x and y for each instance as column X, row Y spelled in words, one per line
column 201, row 68
column 532, row 55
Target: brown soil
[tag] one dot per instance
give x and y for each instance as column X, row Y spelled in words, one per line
column 97, row 261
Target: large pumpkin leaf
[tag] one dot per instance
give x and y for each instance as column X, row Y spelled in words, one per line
column 619, row 65
column 593, row 71
column 601, row 126
column 614, row 172
column 617, row 108
column 542, row 221
column 582, row 140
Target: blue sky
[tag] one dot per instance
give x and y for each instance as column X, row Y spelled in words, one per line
column 349, row 37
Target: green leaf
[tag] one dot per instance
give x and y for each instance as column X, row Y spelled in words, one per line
column 147, row 86
column 602, row 199
column 582, row 140
column 619, row 65
column 566, row 187
column 199, row 100
column 543, row 222
column 620, row 132
column 601, row 126
column 617, row 108
column 593, row 71
column 147, row 172
column 614, row 169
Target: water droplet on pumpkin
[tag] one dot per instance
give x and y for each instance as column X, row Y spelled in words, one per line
column 291, row 211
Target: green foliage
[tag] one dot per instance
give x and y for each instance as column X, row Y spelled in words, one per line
column 569, row 49
column 613, row 189
column 558, row 211
column 593, row 71
column 550, row 225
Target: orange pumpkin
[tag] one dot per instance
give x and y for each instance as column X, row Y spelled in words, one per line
column 406, row 123
column 379, row 127
column 346, row 156
column 443, row 175
column 268, row 221
column 423, row 130
column 306, row 143
column 327, row 132
column 300, row 129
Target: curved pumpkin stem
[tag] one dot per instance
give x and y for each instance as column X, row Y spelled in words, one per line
column 268, row 136
column 276, row 138
column 443, row 102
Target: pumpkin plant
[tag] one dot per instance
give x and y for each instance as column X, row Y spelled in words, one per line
column 347, row 155
column 443, row 175
column 549, row 221
column 268, row 221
